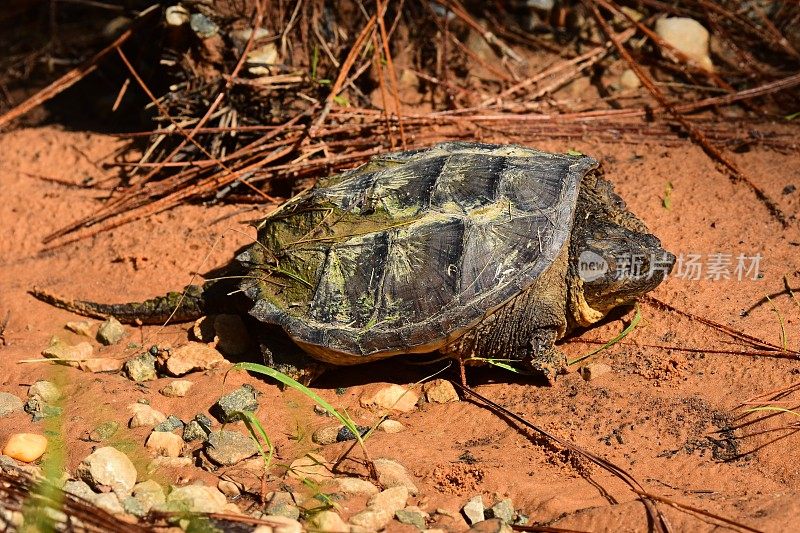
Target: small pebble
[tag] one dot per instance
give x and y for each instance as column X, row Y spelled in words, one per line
column 594, row 370
column 108, row 468
column 163, row 443
column 392, row 397
column 474, row 510
column 104, row 431
column 9, row 404
column 177, row 389
column 190, row 357
column 145, row 416
column 170, row 424
column 391, row 426
column 25, row 447
column 110, row 332
column 141, row 368
column 81, row 328
column 325, row 435
column 229, row 447
column 47, row 391
column 344, row 434
column 440, row 391
column 228, row 408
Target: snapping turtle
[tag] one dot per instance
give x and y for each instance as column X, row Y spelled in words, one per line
column 473, row 250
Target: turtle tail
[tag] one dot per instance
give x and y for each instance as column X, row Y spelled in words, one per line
column 174, row 306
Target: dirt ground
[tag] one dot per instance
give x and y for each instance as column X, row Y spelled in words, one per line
column 673, row 418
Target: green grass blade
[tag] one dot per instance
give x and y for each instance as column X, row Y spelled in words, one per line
column 289, row 382
column 256, row 429
column 624, row 333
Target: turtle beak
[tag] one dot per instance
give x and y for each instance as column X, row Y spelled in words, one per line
column 616, row 265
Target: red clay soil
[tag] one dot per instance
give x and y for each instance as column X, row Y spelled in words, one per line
column 671, row 417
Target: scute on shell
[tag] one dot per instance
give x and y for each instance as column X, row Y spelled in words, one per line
column 407, row 251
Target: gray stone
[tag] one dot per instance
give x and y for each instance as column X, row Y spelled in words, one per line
column 197, row 429
column 141, row 368
column 109, row 502
column 47, row 391
column 228, row 407
column 9, row 404
column 326, row 435
column 412, row 515
column 327, row 521
column 393, row 474
column 108, row 468
column 229, row 488
column 79, row 488
column 504, row 510
column 110, row 332
column 104, row 431
column 170, row 424
column 473, row 510
column 282, row 503
column 229, row 447
column 196, row 499
column 145, row 495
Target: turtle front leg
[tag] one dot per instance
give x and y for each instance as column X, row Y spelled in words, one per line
column 542, row 355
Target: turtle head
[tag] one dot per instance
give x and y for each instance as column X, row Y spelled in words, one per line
column 614, row 258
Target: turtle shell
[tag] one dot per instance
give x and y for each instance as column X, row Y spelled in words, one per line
column 407, row 252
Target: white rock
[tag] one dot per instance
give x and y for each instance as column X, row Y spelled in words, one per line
column 145, row 416
column 390, row 500
column 393, row 474
column 108, row 501
column 192, row 356
column 46, row 391
column 228, row 488
column 108, row 468
column 328, row 521
column 391, row 426
column 353, row 486
column 198, row 499
column 371, row 519
column 148, row 493
column 164, row 443
column 474, row 510
column 59, row 349
column 392, row 397
column 81, row 328
column 688, row 36
column 177, row 389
